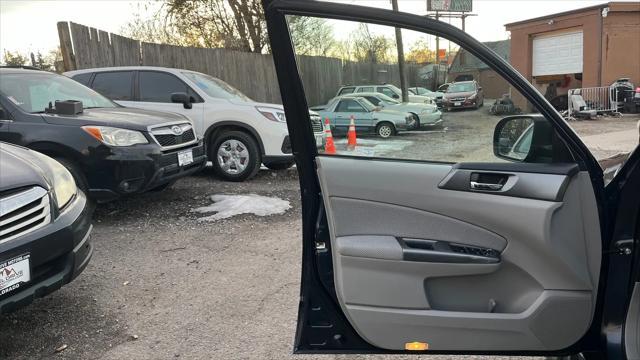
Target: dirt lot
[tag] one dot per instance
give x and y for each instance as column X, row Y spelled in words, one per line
column 164, row 285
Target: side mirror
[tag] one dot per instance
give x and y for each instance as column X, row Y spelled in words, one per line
column 396, row 96
column 182, row 98
column 479, row 88
column 524, row 139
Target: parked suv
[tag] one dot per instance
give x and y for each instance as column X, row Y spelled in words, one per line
column 45, row 227
column 387, row 89
column 239, row 132
column 463, row 95
column 110, row 150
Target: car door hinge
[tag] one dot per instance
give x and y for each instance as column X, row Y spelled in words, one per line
column 621, row 247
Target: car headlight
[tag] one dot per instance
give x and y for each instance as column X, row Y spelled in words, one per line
column 272, row 114
column 116, row 136
column 64, row 187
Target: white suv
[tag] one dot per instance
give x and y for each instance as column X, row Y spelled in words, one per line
column 240, row 133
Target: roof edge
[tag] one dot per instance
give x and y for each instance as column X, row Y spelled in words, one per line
column 568, row 12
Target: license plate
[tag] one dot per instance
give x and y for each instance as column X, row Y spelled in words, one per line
column 457, row 103
column 185, row 157
column 13, row 273
column 319, row 140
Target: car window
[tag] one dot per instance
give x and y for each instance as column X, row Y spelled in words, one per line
column 461, row 87
column 350, row 105
column 346, row 90
column 365, row 89
column 157, row 86
column 374, row 100
column 33, row 92
column 387, row 91
column 82, row 78
column 4, row 115
column 115, row 85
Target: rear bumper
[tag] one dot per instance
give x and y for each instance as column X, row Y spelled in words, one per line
column 139, row 169
column 59, row 252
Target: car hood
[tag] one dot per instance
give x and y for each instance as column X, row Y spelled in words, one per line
column 458, row 94
column 20, row 168
column 122, row 117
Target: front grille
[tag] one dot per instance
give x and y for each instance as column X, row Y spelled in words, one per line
column 458, row 99
column 23, row 212
column 316, row 124
column 173, row 135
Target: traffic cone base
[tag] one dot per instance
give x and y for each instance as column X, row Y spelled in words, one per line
column 351, row 135
column 329, row 146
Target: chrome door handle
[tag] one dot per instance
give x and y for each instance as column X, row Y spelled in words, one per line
column 486, row 186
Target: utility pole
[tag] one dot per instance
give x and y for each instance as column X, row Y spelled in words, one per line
column 403, row 80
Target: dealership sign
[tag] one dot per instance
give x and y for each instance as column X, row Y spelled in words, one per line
column 449, row 5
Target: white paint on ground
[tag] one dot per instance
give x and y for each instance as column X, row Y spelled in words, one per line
column 226, row 206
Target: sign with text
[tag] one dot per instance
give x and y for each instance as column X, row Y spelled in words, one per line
column 449, row 5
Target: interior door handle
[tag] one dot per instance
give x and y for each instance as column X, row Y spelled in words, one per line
column 486, row 186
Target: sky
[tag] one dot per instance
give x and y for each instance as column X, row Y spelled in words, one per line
column 30, row 26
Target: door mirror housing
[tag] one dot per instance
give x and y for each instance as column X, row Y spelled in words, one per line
column 479, row 88
column 180, row 97
column 524, row 139
column 396, row 96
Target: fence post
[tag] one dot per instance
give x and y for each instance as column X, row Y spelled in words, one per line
column 68, row 59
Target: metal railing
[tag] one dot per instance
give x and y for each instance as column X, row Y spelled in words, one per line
column 601, row 100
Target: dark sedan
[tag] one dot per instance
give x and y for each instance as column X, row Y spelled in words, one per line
column 45, row 227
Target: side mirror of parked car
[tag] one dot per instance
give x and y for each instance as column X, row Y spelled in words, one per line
column 183, row 98
column 524, row 139
column 396, row 96
column 479, row 88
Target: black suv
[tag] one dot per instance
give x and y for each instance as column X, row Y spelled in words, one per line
column 45, row 227
column 110, row 150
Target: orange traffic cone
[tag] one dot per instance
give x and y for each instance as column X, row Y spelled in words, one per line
column 329, row 146
column 351, row 135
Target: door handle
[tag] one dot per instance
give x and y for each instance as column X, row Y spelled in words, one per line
column 486, row 186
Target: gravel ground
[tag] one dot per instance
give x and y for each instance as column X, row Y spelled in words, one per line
column 164, row 285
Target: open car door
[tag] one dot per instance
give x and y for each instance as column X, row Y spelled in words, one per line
column 486, row 237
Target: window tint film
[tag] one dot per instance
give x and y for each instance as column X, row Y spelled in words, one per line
column 158, row 87
column 115, row 85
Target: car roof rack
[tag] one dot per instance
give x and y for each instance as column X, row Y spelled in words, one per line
column 25, row 67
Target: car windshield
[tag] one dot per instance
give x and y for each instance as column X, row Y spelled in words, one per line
column 421, row 91
column 215, row 87
column 32, row 92
column 395, row 89
column 461, row 87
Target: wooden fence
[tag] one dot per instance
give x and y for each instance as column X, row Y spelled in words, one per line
column 254, row 74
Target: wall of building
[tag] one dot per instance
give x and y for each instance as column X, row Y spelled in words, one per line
column 621, row 43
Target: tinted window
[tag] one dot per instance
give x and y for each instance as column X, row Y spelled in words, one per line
column 374, row 100
column 347, row 90
column 366, row 89
column 115, row 85
column 82, row 78
column 157, row 87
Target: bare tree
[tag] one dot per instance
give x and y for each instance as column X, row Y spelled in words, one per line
column 373, row 48
column 311, row 36
column 14, row 59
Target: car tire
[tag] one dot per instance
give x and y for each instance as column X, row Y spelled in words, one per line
column 78, row 175
column 385, row 130
column 239, row 160
column 280, row 165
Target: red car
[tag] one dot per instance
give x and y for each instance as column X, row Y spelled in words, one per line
column 463, row 95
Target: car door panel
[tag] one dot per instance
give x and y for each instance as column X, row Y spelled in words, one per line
column 542, row 279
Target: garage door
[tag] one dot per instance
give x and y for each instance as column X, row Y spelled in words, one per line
column 557, row 54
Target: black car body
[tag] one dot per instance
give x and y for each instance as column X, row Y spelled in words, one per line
column 111, row 150
column 45, row 227
column 361, row 271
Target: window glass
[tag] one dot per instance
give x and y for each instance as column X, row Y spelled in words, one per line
column 347, row 90
column 34, row 91
column 3, row 114
column 374, row 100
column 349, row 105
column 458, row 123
column 365, row 89
column 215, row 87
column 115, row 85
column 82, row 78
column 157, row 86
